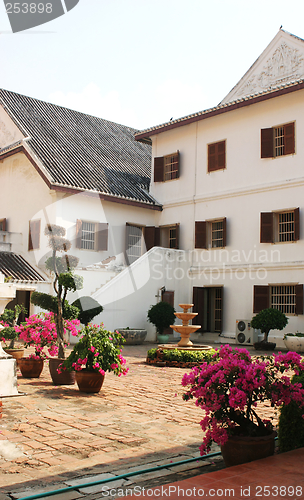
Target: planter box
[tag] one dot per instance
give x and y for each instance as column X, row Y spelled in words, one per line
column 294, row 343
column 133, row 336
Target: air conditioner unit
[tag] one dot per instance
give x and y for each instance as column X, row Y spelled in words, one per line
column 244, row 334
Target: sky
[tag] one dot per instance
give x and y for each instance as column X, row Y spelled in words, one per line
column 142, row 62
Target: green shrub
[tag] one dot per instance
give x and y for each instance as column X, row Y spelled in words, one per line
column 269, row 319
column 291, row 423
column 161, row 315
column 182, row 355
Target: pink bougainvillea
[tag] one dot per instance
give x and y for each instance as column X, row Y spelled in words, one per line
column 39, row 330
column 230, row 388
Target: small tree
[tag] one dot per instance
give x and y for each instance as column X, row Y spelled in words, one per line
column 10, row 317
column 161, row 315
column 269, row 319
column 64, row 279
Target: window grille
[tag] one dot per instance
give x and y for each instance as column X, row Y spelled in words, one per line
column 88, row 235
column 286, row 226
column 217, row 234
column 283, row 298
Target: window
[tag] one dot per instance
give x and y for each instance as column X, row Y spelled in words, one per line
column 3, row 225
column 166, row 168
column 91, row 235
column 278, row 141
column 34, row 234
column 210, row 234
column 280, row 226
column 134, row 244
column 164, row 236
column 216, row 156
column 287, row 298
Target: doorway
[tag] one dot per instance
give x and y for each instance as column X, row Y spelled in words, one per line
column 208, row 303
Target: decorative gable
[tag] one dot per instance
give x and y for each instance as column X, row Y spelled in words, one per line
column 282, row 62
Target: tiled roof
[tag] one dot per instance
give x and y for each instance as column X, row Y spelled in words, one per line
column 82, row 151
column 17, row 268
column 144, row 135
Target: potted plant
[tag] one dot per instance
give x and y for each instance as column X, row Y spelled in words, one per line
column 294, row 341
column 39, row 331
column 97, row 352
column 266, row 320
column 161, row 315
column 229, row 391
column 65, row 280
column 9, row 334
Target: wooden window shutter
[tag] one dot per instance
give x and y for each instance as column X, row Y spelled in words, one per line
column 299, row 299
column 102, row 236
column 221, row 154
column 297, row 224
column 168, row 296
column 150, row 237
column 266, row 229
column 260, row 298
column 267, row 146
column 200, row 234
column 34, row 234
column 216, row 156
column 224, row 231
column 289, row 139
column 3, row 225
column 198, row 306
column 78, row 233
column 177, row 235
column 159, row 169
column 220, row 291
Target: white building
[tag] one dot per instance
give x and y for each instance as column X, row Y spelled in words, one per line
column 223, row 220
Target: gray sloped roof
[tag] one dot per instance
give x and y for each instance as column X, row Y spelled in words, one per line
column 82, row 151
column 16, row 268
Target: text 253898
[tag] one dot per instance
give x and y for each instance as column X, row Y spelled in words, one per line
column 28, row 8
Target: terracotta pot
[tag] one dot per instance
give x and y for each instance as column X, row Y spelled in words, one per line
column 16, row 353
column 31, row 368
column 241, row 449
column 64, row 378
column 89, row 381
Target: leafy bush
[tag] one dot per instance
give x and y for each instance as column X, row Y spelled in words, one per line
column 161, row 315
column 291, row 422
column 88, row 309
column 50, row 303
column 269, row 319
column 9, row 319
column 182, row 355
column 294, row 335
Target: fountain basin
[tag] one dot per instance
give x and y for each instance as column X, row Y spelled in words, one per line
column 185, row 316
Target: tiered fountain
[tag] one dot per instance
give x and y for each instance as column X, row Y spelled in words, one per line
column 185, row 330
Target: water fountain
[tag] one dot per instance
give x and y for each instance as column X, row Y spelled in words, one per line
column 185, row 330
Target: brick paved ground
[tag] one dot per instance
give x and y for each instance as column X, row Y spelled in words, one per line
column 134, row 420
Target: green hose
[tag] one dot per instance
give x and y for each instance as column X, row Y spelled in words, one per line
column 115, row 478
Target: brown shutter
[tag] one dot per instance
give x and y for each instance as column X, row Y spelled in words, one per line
column 78, row 233
column 102, row 236
column 289, row 139
column 221, row 154
column 159, row 169
column 150, row 237
column 198, row 306
column 299, row 299
column 260, row 298
column 200, row 234
column 267, row 143
column 297, row 224
column 216, row 156
column 224, row 231
column 3, row 225
column 168, row 297
column 177, row 235
column 266, row 229
column 34, row 234
column 157, row 237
